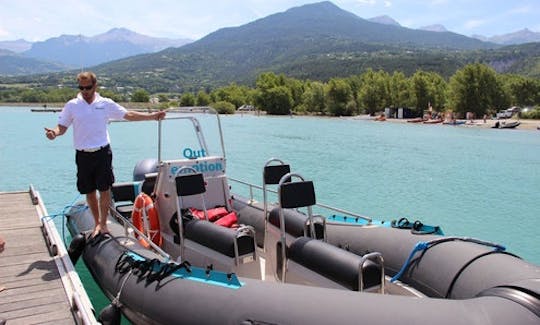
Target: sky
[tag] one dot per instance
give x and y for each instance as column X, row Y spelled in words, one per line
column 38, row 20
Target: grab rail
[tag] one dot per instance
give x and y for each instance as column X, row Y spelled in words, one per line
column 128, row 224
column 196, row 127
column 239, row 232
column 365, row 258
column 321, row 205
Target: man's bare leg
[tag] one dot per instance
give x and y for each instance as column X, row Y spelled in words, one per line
column 104, row 206
column 92, row 201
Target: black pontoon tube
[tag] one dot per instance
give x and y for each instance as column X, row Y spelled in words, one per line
column 421, row 245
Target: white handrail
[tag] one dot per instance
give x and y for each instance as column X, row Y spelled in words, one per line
column 321, row 205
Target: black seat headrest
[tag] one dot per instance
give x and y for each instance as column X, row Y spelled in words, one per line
column 190, row 184
column 297, row 194
column 149, row 183
column 272, row 174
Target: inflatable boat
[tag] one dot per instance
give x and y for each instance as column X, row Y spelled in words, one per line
column 185, row 248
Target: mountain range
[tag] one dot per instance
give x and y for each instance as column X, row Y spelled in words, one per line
column 514, row 38
column 316, row 41
column 75, row 51
column 519, row 37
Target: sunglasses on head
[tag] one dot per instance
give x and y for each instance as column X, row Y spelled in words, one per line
column 86, row 87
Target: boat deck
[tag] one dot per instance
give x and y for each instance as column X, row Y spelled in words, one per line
column 36, row 286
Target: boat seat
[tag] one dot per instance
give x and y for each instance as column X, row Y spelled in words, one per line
column 232, row 242
column 190, row 185
column 219, row 238
column 334, row 263
column 124, row 193
column 297, row 223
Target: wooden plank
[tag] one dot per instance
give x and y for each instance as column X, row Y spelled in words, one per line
column 16, row 272
column 34, row 295
column 21, row 291
column 32, row 260
column 35, row 299
column 37, row 314
column 34, row 292
column 33, row 281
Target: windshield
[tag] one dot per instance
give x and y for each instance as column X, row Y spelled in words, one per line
column 179, row 140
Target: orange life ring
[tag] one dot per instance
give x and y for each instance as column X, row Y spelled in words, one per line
column 143, row 216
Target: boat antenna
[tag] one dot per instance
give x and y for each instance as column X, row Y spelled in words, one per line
column 159, row 141
column 80, row 53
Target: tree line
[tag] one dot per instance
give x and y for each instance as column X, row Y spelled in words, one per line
column 475, row 88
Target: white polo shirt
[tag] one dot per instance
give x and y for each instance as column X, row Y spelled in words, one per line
column 90, row 120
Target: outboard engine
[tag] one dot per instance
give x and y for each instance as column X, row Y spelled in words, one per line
column 145, row 166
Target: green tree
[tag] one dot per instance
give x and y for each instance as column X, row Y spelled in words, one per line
column 223, row 107
column 272, row 95
column 296, row 87
column 140, row 96
column 339, row 98
column 438, row 88
column 420, row 87
column 374, row 94
column 33, row 96
column 475, row 88
column 278, row 101
column 429, row 89
column 187, row 99
column 355, row 82
column 400, row 90
column 523, row 91
column 269, row 80
column 60, row 95
column 313, row 99
column 163, row 98
column 203, row 99
column 112, row 95
column 233, row 93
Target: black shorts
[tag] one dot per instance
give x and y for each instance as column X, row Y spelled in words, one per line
column 94, row 170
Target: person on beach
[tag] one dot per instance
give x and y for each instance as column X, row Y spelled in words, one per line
column 2, row 288
column 2, row 244
column 89, row 113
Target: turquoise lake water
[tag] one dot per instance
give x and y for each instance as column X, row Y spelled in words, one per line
column 482, row 183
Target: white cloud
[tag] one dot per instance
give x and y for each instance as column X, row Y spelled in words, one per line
column 474, row 23
column 438, row 2
column 39, row 20
column 367, row 2
column 520, row 10
column 3, row 32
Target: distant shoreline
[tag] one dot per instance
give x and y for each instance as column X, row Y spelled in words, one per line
column 128, row 105
column 526, row 124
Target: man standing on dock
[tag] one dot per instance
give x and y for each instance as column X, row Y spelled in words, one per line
column 89, row 113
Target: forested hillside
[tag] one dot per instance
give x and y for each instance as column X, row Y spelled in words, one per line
column 312, row 42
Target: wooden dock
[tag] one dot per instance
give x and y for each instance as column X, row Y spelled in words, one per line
column 40, row 284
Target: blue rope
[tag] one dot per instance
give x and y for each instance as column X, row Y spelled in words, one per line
column 64, row 212
column 420, row 246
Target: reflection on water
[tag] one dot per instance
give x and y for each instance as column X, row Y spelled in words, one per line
column 473, row 182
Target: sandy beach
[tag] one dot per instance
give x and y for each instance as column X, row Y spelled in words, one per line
column 525, row 124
